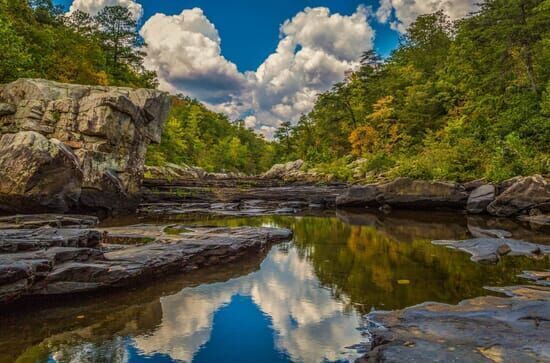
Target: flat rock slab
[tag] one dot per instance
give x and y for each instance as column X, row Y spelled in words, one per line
column 538, row 277
column 65, row 268
column 491, row 249
column 17, row 240
column 234, row 209
column 26, row 221
column 483, row 329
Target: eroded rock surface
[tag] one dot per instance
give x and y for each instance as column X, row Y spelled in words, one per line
column 71, row 146
column 483, row 329
column 522, row 194
column 480, row 198
column 491, row 249
column 406, row 193
column 27, row 221
column 48, row 261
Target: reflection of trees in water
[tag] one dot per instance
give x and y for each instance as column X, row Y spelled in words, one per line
column 365, row 262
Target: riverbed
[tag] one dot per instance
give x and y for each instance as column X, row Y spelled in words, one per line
column 301, row 301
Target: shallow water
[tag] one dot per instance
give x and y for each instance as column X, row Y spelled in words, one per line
column 302, row 302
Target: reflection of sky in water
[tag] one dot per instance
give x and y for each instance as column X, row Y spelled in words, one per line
column 277, row 314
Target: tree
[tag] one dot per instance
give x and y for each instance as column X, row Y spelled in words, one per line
column 120, row 39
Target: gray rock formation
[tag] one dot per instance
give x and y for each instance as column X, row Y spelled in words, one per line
column 70, row 146
column 49, row 261
column 522, row 194
column 483, row 329
column 406, row 193
column 480, row 198
column 491, row 249
column 360, row 196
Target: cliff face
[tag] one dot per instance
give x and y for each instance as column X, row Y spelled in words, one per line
column 74, row 147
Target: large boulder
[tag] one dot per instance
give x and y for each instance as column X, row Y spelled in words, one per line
column 72, row 146
column 359, row 196
column 480, row 198
column 522, row 194
column 409, row 193
column 37, row 171
column 282, row 171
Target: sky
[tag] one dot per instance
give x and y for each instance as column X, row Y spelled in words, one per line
column 265, row 61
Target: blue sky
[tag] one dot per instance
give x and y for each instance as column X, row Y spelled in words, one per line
column 250, row 28
column 265, row 61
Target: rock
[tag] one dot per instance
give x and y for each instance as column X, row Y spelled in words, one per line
column 493, row 233
column 281, row 171
column 490, row 249
column 474, row 184
column 7, row 109
column 480, row 198
column 37, row 172
column 522, row 194
column 16, row 240
column 503, row 250
column 359, row 196
column 28, row 221
column 483, row 329
column 171, row 171
column 74, row 262
column 72, row 146
column 409, row 193
column 538, row 277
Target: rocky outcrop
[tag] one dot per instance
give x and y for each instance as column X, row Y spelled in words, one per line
column 50, row 261
column 490, row 250
column 286, row 170
column 406, row 193
column 522, row 194
column 480, row 198
column 409, row 193
column 483, row 329
column 360, row 196
column 71, row 146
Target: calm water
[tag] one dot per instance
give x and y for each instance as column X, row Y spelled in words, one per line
column 302, row 302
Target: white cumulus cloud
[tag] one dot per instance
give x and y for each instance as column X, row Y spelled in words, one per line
column 93, row 7
column 185, row 51
column 315, row 50
column 402, row 13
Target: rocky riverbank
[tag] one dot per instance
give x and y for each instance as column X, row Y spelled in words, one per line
column 483, row 329
column 52, row 261
column 526, row 198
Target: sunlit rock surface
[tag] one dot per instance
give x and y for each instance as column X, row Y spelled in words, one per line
column 68, row 146
column 483, row 329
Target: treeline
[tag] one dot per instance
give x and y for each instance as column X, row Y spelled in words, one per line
column 457, row 100
column 38, row 41
column 196, row 136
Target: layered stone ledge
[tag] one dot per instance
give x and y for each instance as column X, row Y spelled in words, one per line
column 50, row 261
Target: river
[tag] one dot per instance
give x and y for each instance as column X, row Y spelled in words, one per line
column 304, row 301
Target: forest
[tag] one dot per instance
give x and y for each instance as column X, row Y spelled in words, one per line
column 455, row 101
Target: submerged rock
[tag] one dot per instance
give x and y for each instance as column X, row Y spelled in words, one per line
column 66, row 261
column 538, row 277
column 71, row 146
column 491, row 249
column 483, row 329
